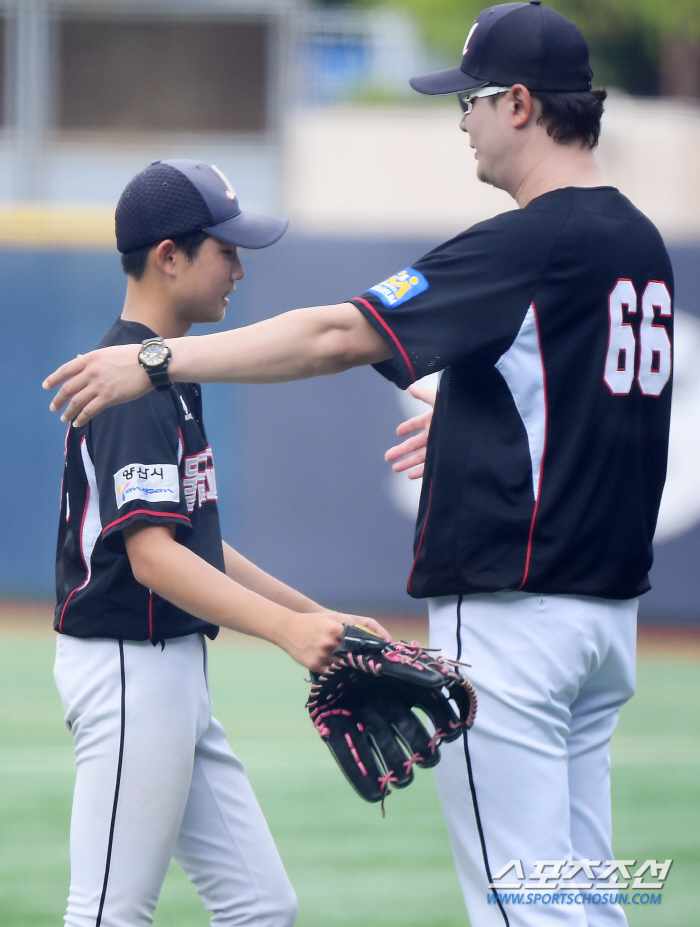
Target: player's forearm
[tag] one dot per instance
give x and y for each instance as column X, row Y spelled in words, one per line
column 177, row 574
column 252, row 577
column 293, row 346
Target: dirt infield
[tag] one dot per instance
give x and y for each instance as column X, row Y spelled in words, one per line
column 36, row 619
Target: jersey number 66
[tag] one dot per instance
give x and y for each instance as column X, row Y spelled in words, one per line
column 654, row 369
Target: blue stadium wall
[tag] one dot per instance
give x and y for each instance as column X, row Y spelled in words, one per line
column 302, row 481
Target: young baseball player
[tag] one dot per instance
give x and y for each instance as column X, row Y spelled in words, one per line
column 143, row 579
column 545, row 463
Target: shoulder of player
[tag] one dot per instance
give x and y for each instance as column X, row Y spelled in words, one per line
column 128, row 332
column 157, row 406
column 124, row 331
column 607, row 211
column 598, row 204
column 513, row 236
column 622, row 207
column 170, row 408
column 505, row 224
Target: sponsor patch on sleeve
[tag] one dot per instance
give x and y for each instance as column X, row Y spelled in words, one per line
column 149, row 482
column 400, row 288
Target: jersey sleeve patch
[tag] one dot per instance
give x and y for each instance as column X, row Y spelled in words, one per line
column 400, row 288
column 149, row 482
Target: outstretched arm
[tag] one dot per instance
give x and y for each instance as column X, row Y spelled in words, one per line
column 410, row 454
column 293, row 346
column 246, row 573
column 177, row 574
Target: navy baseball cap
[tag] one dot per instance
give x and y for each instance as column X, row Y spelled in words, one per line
column 180, row 196
column 517, row 43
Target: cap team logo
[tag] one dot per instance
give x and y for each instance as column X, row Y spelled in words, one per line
column 401, row 287
column 230, row 192
column 466, row 44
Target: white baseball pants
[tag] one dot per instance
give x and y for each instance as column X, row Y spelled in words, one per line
column 157, row 780
column 551, row 673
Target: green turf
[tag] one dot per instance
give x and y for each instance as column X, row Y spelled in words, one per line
column 347, row 864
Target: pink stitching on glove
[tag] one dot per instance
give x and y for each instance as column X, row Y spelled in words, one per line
column 355, row 754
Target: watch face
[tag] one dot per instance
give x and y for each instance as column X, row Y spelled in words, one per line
column 153, row 354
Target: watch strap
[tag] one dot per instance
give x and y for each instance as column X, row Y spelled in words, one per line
column 159, row 378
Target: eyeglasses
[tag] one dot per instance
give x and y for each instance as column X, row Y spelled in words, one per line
column 466, row 97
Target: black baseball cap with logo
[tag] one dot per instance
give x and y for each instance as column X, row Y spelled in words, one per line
column 517, row 43
column 180, row 196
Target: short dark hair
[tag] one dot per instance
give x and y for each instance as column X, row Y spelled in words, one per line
column 134, row 262
column 572, row 117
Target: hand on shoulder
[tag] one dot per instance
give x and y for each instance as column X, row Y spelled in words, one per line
column 95, row 381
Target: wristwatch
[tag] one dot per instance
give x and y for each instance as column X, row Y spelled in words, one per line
column 154, row 357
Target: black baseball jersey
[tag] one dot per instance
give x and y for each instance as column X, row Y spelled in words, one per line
column 552, row 326
column 143, row 461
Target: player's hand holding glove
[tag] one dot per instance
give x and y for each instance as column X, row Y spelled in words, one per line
column 362, row 707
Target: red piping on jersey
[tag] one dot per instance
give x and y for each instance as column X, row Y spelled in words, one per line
column 82, row 554
column 146, row 512
column 393, row 337
column 150, row 616
column 544, row 452
column 420, row 542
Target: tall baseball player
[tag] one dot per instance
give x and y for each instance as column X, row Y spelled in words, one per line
column 552, row 326
column 143, row 579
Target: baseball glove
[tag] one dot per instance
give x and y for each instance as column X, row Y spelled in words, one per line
column 362, row 707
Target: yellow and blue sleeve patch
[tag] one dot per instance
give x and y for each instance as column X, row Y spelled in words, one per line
column 400, row 288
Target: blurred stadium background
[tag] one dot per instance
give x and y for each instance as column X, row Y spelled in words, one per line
column 306, row 107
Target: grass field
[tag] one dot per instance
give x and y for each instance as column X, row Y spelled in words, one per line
column 348, row 865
